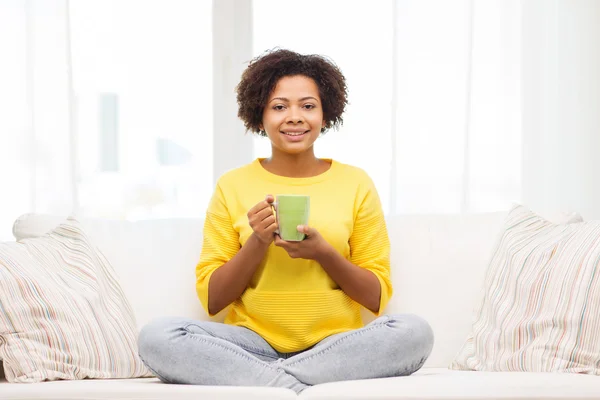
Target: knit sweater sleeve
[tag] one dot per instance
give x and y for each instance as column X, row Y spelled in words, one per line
column 220, row 243
column 369, row 242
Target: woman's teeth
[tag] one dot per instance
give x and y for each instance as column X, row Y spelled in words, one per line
column 294, row 134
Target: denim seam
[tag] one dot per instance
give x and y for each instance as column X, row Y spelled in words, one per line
column 212, row 343
column 338, row 341
column 249, row 349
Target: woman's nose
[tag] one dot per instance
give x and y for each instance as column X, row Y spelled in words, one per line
column 294, row 118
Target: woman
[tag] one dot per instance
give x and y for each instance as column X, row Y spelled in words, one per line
column 295, row 317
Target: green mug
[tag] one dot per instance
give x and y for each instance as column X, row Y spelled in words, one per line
column 291, row 210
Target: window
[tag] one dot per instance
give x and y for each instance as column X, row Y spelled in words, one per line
column 111, row 104
column 434, row 91
column 142, row 81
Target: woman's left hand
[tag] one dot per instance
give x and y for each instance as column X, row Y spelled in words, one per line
column 313, row 247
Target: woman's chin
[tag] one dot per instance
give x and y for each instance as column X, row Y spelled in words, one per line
column 293, row 148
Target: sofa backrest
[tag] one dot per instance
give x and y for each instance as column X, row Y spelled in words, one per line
column 438, row 264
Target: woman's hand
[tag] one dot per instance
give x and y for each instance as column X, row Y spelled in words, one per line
column 313, row 247
column 262, row 220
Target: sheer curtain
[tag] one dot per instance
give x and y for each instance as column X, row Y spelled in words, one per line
column 35, row 153
column 434, row 113
column 109, row 109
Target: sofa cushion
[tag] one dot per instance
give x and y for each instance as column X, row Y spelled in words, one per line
column 540, row 306
column 426, row 384
column 135, row 389
column 63, row 314
column 444, row 384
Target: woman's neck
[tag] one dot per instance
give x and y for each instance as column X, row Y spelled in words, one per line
column 295, row 165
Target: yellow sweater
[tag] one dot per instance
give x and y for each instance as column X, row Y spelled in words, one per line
column 293, row 303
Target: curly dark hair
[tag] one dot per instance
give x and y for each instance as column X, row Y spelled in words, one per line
column 260, row 78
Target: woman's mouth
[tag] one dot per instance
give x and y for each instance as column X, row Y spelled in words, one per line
column 294, row 133
column 294, row 136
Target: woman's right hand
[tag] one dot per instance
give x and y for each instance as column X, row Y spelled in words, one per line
column 262, row 220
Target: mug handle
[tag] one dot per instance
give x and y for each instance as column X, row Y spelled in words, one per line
column 274, row 207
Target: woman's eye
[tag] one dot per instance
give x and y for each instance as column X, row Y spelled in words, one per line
column 278, row 107
column 309, row 106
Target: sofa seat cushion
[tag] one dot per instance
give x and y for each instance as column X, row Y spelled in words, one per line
column 445, row 384
column 133, row 389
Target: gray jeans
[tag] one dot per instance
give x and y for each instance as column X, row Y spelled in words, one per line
column 180, row 350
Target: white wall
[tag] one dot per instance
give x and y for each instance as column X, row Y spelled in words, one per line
column 561, row 105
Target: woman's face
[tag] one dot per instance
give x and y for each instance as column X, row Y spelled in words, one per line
column 293, row 116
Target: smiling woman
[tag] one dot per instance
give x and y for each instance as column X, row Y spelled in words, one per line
column 308, row 96
column 293, row 116
column 329, row 87
column 293, row 120
column 296, row 305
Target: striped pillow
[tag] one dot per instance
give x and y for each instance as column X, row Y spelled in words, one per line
column 540, row 310
column 63, row 314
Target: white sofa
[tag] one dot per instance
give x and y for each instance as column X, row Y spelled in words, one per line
column 438, row 266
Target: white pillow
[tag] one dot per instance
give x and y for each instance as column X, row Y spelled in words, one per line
column 63, row 314
column 540, row 310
